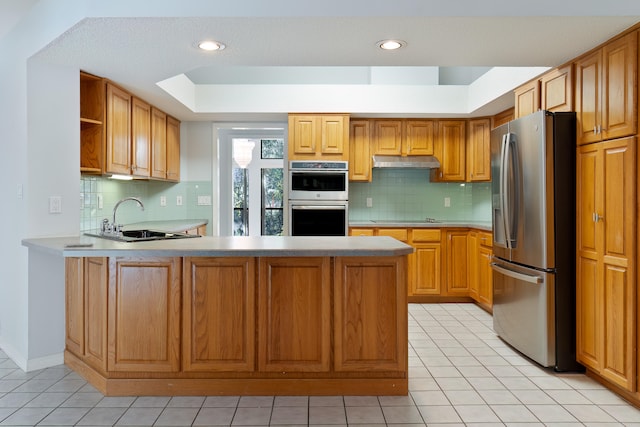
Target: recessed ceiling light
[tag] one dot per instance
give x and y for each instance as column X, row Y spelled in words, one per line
column 391, row 44
column 210, row 45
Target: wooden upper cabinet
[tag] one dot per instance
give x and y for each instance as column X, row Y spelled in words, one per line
column 173, row 149
column 144, row 314
column 118, row 120
column 605, row 92
column 141, row 138
column 503, row 117
column 450, row 150
column 360, row 150
column 479, row 150
column 92, row 119
column 388, row 137
column 316, row 136
column 527, row 98
column 419, row 137
column 158, row 144
column 556, row 89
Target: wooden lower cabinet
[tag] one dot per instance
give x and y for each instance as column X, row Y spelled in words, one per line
column 294, row 303
column 144, row 314
column 485, row 275
column 215, row 337
column 238, row 325
column 425, row 277
column 456, row 261
column 606, row 279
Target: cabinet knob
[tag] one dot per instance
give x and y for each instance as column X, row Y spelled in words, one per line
column 597, row 217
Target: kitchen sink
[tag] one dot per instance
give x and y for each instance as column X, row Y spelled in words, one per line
column 141, row 235
column 407, row 221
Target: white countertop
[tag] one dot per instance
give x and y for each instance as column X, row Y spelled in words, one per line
column 480, row 225
column 85, row 246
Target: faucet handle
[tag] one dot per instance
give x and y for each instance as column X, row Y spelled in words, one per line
column 105, row 225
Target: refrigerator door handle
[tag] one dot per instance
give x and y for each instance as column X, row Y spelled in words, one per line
column 503, row 188
column 514, row 274
column 511, row 189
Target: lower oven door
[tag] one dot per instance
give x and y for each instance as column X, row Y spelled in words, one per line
column 315, row 218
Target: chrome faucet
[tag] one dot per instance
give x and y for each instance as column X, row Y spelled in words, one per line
column 114, row 228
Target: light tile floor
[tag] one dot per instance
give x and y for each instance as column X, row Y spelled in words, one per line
column 460, row 374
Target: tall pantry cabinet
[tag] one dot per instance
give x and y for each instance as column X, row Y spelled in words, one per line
column 606, row 218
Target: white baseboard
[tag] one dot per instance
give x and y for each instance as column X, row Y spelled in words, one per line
column 29, row 365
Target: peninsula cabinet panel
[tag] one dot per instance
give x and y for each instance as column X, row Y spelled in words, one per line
column 74, row 305
column 219, row 314
column 370, row 328
column 86, row 309
column 294, row 309
column 95, row 311
column 141, row 138
column 118, row 131
column 606, row 230
column 144, row 314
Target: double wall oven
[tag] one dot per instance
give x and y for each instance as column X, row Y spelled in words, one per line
column 318, row 198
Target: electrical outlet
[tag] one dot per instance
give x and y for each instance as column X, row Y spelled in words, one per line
column 163, row 200
column 55, row 204
column 178, row 200
column 204, row 200
column 447, row 202
column 369, row 202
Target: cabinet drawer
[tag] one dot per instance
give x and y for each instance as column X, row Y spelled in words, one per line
column 426, row 235
column 361, row 232
column 397, row 233
column 485, row 239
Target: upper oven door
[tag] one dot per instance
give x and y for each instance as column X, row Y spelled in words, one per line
column 318, row 184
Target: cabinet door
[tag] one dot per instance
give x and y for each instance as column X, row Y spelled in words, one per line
column 485, row 277
column 294, row 307
column 303, row 135
column 527, row 98
column 359, row 151
column 370, row 326
column 144, row 314
column 158, row 144
column 556, row 87
column 479, row 150
column 334, row 134
column 388, row 137
column 473, row 248
column 219, row 314
column 173, row 149
column 606, row 304
column 419, row 137
column 450, row 150
column 141, row 138
column 118, row 131
column 360, row 231
column 588, row 82
column 619, row 91
column 457, row 276
column 425, row 271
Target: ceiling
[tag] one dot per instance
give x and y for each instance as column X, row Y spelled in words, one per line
column 290, row 42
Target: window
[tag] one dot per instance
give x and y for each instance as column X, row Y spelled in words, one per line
column 258, row 187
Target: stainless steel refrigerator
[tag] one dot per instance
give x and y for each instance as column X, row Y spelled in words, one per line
column 533, row 203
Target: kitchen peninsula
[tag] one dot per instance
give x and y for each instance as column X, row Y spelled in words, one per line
column 236, row 315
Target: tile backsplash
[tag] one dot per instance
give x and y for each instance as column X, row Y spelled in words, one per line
column 406, row 194
column 99, row 195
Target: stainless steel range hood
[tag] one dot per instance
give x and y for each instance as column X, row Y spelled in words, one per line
column 406, row 162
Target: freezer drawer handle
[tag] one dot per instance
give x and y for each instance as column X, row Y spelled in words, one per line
column 520, row 276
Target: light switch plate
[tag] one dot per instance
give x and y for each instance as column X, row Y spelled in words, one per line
column 55, row 204
column 163, row 200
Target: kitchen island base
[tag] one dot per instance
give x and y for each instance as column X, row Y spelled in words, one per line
column 311, row 325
